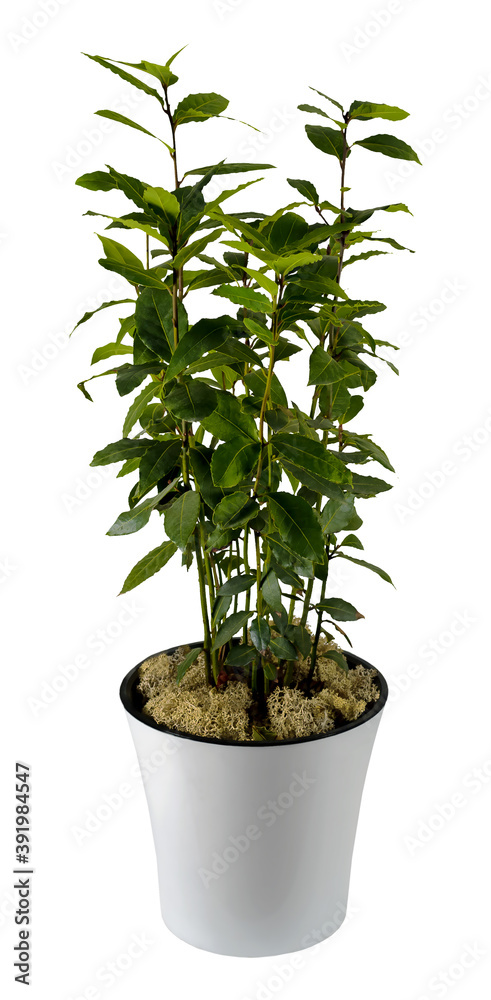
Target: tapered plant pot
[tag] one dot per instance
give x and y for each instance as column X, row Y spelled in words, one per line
column 254, row 841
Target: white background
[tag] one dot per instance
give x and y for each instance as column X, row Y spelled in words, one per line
column 417, row 907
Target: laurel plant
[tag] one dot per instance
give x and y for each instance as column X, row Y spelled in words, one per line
column 258, row 494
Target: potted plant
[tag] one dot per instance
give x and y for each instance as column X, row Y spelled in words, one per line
column 268, row 724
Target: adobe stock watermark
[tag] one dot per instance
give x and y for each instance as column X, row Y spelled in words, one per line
column 8, row 905
column 267, row 814
column 224, row 7
column 430, row 652
column 56, row 343
column 248, row 150
column 364, row 34
column 84, row 488
column 30, row 26
column 96, row 645
column 464, row 449
column 91, row 138
column 452, row 119
column 112, row 972
column 110, row 803
column 283, row 972
column 440, row 984
column 423, row 319
column 7, row 569
column 443, row 813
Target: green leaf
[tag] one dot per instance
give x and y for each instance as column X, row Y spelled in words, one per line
column 240, row 656
column 118, row 451
column 364, row 111
column 337, row 514
column 109, row 350
column 199, row 107
column 260, row 634
column 337, row 656
column 157, row 461
column 340, row 610
column 268, row 284
column 324, row 370
column 306, row 189
column 191, row 400
column 368, row 486
column 136, row 518
column 164, row 201
column 230, row 627
column 131, row 465
column 119, row 253
column 237, row 585
column 150, row 564
column 314, row 110
column 364, row 443
column 319, row 284
column 246, row 297
column 97, row 180
column 163, row 74
column 297, row 525
column 124, row 262
column 228, row 422
column 332, row 101
column 230, row 168
column 128, row 77
column 138, row 405
column 271, row 591
column 328, row 140
column 258, row 330
column 389, row 145
column 361, row 562
column 129, row 377
column 115, row 117
column 193, row 249
column 290, row 262
column 234, row 511
column 256, row 381
column 133, row 188
column 233, row 461
column 311, row 463
column 204, row 336
column 301, row 638
column 187, row 662
column 153, row 318
column 353, row 541
column 105, row 305
column 287, row 232
column 283, row 648
column 180, row 519
column 220, row 608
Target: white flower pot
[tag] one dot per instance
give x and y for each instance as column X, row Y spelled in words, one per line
column 254, row 841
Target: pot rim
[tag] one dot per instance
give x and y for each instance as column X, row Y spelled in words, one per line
column 132, row 701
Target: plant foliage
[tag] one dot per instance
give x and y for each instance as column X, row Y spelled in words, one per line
column 259, row 495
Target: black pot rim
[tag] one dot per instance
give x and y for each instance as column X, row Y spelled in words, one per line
column 133, row 701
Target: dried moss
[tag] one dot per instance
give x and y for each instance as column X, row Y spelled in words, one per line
column 226, row 713
column 192, row 706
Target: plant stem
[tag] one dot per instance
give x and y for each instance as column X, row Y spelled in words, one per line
column 292, row 606
column 173, row 130
column 306, row 603
column 313, row 654
column 211, row 589
column 204, row 609
column 265, row 401
column 246, row 571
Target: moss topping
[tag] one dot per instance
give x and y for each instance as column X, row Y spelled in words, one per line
column 226, row 712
